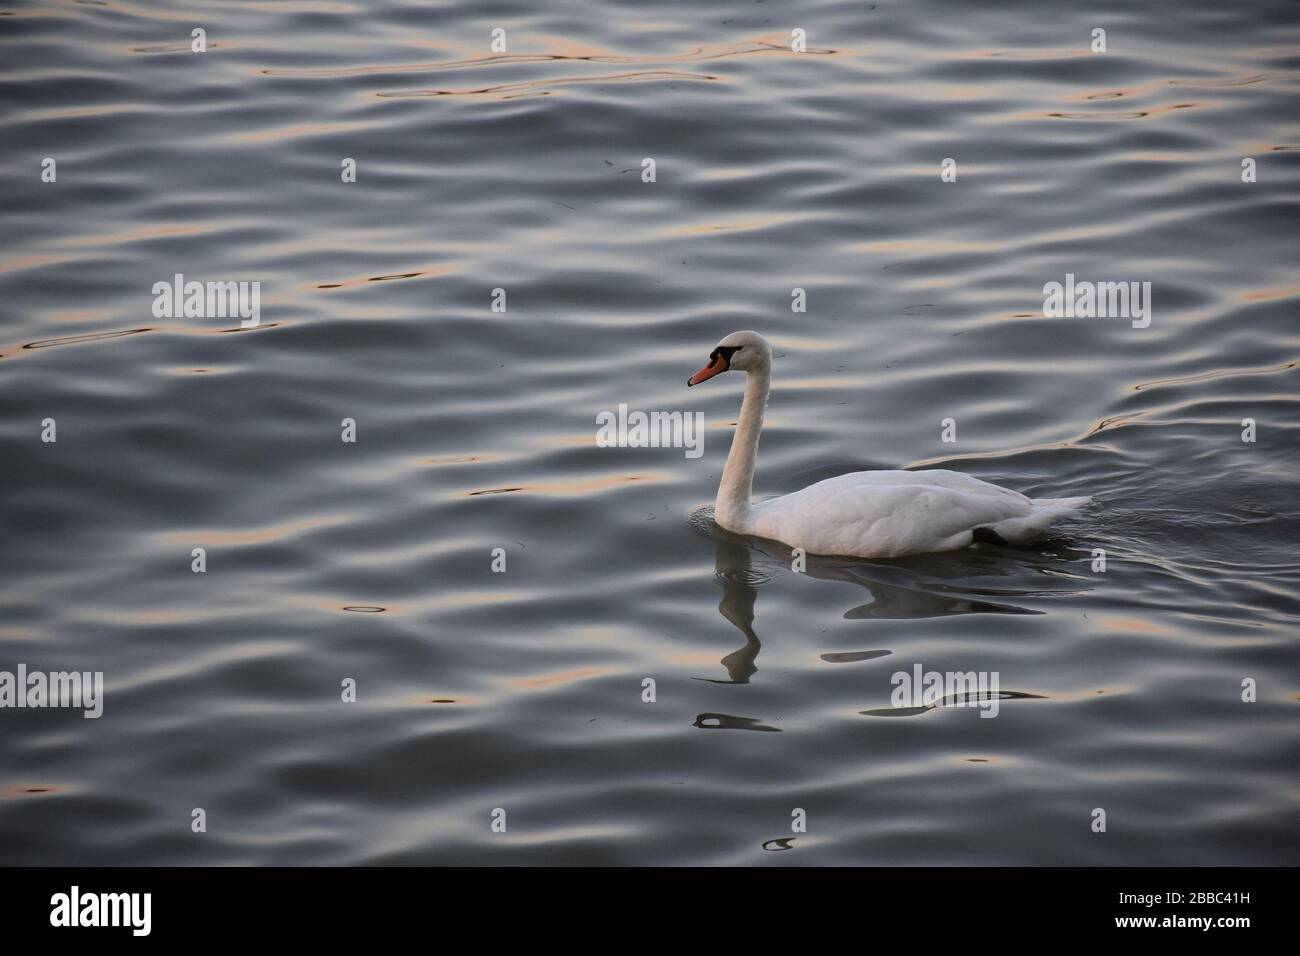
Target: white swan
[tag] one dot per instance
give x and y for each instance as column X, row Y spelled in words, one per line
column 869, row 514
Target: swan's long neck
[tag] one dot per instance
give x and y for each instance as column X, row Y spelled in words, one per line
column 737, row 483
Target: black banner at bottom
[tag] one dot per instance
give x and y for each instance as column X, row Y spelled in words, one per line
column 334, row 906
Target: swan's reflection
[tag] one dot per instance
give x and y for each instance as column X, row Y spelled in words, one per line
column 910, row 588
column 733, row 569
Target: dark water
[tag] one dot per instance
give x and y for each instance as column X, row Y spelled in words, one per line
column 522, row 690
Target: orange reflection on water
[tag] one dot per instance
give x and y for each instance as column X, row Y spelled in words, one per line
column 29, row 790
column 769, row 44
column 82, row 315
column 542, row 87
column 29, row 262
column 294, row 132
column 1264, row 295
column 1089, row 693
column 1131, row 624
column 160, row 231
column 929, row 247
column 427, row 272
column 579, row 487
column 458, row 459
column 263, row 535
column 77, row 112
column 1041, row 53
column 747, row 225
column 561, row 678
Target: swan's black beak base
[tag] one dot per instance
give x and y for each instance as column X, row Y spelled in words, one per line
column 719, row 361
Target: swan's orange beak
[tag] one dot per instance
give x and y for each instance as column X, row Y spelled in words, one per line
column 717, row 363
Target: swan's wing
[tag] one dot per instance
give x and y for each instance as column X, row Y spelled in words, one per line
column 887, row 513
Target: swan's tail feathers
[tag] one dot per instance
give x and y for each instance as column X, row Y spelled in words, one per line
column 1046, row 512
column 1060, row 507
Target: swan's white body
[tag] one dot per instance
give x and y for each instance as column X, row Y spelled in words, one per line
column 869, row 514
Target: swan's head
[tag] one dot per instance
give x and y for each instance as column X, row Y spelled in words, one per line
column 742, row 351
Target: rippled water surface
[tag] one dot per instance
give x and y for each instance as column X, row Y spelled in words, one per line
column 476, row 430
